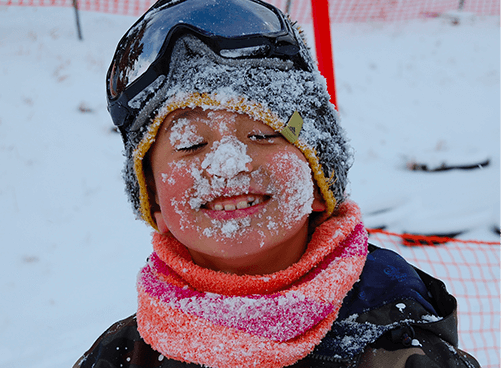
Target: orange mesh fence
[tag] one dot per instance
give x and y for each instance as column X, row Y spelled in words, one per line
column 341, row 11
column 470, row 269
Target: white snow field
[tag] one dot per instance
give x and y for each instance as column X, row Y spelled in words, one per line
column 415, row 92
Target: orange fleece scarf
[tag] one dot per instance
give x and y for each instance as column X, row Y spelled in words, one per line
column 197, row 315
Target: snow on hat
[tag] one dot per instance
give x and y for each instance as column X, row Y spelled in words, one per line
column 271, row 90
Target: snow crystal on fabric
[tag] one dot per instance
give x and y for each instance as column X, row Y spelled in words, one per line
column 348, row 338
column 279, row 317
column 242, row 52
column 140, row 98
column 431, row 318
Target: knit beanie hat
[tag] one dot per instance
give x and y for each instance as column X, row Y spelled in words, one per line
column 290, row 99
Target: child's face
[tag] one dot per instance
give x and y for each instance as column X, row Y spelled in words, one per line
column 231, row 188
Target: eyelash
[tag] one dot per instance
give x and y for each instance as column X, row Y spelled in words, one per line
column 193, row 148
column 264, row 136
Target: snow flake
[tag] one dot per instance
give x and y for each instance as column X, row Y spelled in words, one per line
column 416, row 342
column 401, row 307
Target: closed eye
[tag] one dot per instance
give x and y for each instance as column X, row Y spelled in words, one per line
column 193, row 148
column 262, row 136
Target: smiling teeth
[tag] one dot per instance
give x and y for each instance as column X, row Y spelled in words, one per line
column 240, row 205
column 251, row 201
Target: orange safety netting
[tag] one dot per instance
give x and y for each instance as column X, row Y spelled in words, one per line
column 340, row 10
column 470, row 269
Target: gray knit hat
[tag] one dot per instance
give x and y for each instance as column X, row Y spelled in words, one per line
column 290, row 99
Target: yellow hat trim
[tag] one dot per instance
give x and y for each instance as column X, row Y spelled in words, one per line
column 238, row 105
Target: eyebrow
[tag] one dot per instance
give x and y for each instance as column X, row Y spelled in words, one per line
column 184, row 114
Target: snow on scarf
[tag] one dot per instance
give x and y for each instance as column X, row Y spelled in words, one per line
column 197, row 315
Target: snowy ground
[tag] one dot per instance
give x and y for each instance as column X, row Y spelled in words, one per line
column 424, row 92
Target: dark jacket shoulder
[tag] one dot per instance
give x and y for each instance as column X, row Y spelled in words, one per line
column 395, row 316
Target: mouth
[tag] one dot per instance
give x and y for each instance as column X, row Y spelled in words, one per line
column 235, row 203
column 235, row 206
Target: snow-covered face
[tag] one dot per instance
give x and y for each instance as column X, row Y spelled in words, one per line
column 230, row 187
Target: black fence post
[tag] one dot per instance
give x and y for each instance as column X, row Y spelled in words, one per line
column 77, row 18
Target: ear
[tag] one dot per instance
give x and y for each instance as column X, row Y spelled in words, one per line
column 318, row 202
column 161, row 225
column 156, row 211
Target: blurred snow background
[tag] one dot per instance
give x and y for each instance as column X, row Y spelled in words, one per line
column 416, row 92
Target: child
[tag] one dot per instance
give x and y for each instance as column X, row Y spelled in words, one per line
column 235, row 157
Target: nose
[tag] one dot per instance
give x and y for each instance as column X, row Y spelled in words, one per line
column 227, row 158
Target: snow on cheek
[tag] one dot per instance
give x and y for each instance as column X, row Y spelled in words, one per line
column 177, row 174
column 201, row 188
column 186, row 188
column 292, row 185
column 174, row 192
column 227, row 158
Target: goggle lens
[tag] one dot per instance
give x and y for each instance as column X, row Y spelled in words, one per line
column 250, row 24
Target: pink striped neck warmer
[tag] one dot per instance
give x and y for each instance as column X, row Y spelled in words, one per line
column 193, row 314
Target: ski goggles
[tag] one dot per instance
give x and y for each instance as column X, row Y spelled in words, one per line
column 235, row 29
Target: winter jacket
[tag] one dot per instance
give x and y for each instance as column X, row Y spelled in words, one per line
column 395, row 316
